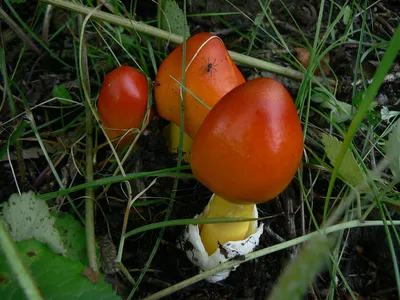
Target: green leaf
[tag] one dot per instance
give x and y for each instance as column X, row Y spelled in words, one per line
column 57, row 277
column 340, row 111
column 392, row 148
column 347, row 15
column 319, row 95
column 387, row 114
column 62, row 93
column 173, row 18
column 17, row 1
column 73, row 236
column 297, row 276
column 349, row 170
column 258, row 20
column 27, row 217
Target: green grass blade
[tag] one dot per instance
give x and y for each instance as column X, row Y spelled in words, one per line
column 183, row 222
column 172, row 172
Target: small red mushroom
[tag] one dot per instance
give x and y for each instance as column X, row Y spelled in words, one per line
column 123, row 101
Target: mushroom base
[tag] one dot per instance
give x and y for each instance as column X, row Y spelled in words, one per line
column 198, row 255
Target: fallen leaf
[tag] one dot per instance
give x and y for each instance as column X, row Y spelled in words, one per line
column 303, row 56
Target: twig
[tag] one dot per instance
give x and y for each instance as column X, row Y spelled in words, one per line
column 176, row 39
column 288, row 199
column 273, row 234
column 46, row 24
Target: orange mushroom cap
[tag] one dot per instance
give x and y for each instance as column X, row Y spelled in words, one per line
column 250, row 145
column 210, row 74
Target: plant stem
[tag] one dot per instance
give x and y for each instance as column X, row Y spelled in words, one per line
column 89, row 201
column 177, row 39
column 117, row 20
column 17, row 265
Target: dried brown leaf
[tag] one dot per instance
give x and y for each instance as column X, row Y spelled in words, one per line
column 303, row 56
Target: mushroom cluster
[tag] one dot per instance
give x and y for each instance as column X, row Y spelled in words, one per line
column 246, row 138
column 247, row 144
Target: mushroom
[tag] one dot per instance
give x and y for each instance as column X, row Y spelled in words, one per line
column 210, row 74
column 123, row 102
column 246, row 151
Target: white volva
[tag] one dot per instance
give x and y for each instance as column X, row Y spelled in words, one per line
column 191, row 243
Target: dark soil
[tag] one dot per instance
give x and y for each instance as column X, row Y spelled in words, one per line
column 367, row 264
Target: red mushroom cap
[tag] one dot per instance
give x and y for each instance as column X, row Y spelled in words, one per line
column 250, row 144
column 122, row 100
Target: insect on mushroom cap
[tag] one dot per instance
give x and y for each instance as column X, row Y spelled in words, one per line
column 210, row 74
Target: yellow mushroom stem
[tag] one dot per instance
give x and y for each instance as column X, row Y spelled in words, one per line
column 212, row 234
column 172, row 134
